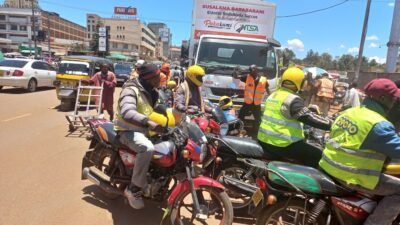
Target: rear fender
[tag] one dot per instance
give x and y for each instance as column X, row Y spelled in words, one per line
column 184, row 186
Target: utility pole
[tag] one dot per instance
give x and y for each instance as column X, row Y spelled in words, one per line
column 364, row 33
column 48, row 36
column 33, row 27
column 394, row 42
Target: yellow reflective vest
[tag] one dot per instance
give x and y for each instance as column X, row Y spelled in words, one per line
column 276, row 129
column 343, row 157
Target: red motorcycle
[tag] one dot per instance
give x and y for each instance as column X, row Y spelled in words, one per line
column 172, row 175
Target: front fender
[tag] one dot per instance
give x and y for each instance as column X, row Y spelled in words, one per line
column 200, row 181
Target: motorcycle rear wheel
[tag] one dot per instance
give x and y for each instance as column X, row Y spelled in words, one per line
column 291, row 213
column 103, row 164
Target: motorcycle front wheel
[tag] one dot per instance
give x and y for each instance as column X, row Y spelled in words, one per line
column 215, row 205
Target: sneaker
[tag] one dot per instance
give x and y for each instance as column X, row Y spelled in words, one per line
column 134, row 197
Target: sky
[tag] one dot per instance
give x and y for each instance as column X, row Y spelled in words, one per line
column 336, row 30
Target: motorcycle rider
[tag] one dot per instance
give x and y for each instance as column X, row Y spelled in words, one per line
column 361, row 140
column 281, row 131
column 165, row 74
column 136, row 102
column 188, row 97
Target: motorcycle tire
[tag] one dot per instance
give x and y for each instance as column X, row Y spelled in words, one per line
column 216, row 194
column 102, row 164
column 272, row 213
column 238, row 208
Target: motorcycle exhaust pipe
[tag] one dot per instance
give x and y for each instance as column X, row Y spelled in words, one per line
column 99, row 178
column 238, row 185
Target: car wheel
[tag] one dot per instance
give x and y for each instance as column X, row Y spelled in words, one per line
column 66, row 105
column 32, row 85
column 1, row 87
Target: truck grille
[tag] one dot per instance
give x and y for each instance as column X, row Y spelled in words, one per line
column 227, row 92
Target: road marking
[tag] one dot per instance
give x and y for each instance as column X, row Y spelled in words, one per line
column 17, row 117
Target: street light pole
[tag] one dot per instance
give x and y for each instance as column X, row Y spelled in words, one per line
column 33, row 27
column 364, row 33
column 394, row 42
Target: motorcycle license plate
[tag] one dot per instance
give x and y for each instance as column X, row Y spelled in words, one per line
column 257, row 197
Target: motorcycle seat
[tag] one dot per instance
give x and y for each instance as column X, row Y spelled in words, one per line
column 245, row 147
column 305, row 178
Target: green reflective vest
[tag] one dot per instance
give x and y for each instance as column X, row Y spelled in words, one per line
column 343, row 157
column 275, row 128
column 143, row 107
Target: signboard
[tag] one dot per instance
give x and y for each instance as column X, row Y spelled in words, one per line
column 125, row 11
column 253, row 20
column 102, row 32
column 102, row 44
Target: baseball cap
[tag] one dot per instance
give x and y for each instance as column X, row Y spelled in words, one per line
column 382, row 87
column 148, row 71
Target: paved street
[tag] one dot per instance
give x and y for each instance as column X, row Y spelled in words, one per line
column 40, row 169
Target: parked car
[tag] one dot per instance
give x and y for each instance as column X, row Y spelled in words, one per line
column 26, row 73
column 122, row 72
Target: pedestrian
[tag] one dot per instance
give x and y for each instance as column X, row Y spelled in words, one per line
column 325, row 93
column 255, row 88
column 307, row 89
column 165, row 74
column 109, row 81
column 352, row 98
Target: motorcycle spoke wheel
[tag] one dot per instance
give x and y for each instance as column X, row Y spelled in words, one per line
column 214, row 205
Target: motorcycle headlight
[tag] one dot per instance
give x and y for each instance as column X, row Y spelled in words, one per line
column 224, row 129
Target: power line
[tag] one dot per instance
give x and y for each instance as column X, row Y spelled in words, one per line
column 313, row 11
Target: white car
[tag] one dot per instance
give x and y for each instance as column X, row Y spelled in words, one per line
column 26, row 73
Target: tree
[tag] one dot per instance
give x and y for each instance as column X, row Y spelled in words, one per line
column 287, row 56
column 312, row 59
column 325, row 61
column 346, row 62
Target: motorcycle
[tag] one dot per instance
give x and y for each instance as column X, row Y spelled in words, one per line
column 171, row 176
column 295, row 194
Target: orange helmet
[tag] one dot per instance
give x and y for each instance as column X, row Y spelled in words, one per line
column 165, row 68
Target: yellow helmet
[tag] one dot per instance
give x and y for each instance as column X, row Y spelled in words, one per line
column 196, row 73
column 171, row 84
column 225, row 102
column 295, row 75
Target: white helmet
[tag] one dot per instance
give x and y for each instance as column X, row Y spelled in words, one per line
column 140, row 63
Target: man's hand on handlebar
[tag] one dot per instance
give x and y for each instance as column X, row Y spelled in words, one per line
column 156, row 127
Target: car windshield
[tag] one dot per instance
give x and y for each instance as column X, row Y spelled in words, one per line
column 227, row 54
column 13, row 63
column 74, row 68
column 122, row 68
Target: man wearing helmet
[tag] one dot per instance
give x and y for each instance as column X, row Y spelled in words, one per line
column 281, row 131
column 136, row 102
column 360, row 142
column 188, row 97
column 135, row 72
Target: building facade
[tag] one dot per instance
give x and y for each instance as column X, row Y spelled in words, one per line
column 22, row 4
column 164, row 33
column 126, row 35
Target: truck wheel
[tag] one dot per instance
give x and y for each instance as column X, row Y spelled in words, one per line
column 66, row 105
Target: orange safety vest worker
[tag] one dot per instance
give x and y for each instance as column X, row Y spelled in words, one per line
column 253, row 94
column 326, row 88
column 163, row 79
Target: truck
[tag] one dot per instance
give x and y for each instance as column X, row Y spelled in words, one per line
column 228, row 35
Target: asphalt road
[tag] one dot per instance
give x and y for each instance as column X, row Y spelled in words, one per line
column 40, row 169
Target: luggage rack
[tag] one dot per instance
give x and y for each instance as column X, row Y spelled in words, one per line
column 76, row 120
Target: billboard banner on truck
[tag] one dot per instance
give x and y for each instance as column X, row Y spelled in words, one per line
column 234, row 18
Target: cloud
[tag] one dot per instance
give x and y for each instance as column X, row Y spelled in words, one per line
column 373, row 45
column 342, row 46
column 377, row 59
column 353, row 50
column 298, row 32
column 296, row 44
column 372, row 38
column 391, row 4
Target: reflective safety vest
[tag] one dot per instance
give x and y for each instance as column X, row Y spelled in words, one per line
column 275, row 128
column 343, row 157
column 186, row 90
column 143, row 107
column 326, row 88
column 253, row 94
